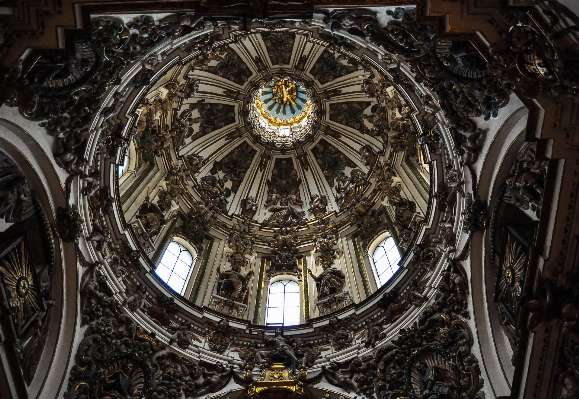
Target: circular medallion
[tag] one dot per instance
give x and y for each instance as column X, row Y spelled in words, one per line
column 22, row 286
column 282, row 112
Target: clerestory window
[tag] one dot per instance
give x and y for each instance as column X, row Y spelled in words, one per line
column 283, row 303
column 175, row 266
column 386, row 258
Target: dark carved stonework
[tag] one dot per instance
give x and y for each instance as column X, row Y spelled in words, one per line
column 15, row 195
column 330, row 66
column 235, row 164
column 526, row 183
column 536, row 59
column 279, row 46
column 454, row 70
column 45, row 93
column 475, row 215
column 69, row 223
column 331, row 160
column 229, row 65
column 213, row 117
column 350, row 114
column 284, row 248
column 197, row 223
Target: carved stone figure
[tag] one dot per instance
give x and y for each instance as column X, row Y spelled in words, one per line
column 214, row 192
column 151, row 217
column 469, row 146
column 183, row 336
column 284, row 249
column 220, row 336
column 232, row 283
column 15, row 195
column 194, row 163
column 68, row 223
column 100, row 235
column 213, row 381
column 350, row 188
column 282, row 351
column 329, row 282
column 340, row 377
column 248, row 207
column 318, row 205
column 340, row 332
column 119, row 385
column 136, row 298
column 198, row 222
column 250, row 355
column 525, row 185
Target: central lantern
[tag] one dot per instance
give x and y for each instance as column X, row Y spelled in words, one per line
column 282, row 112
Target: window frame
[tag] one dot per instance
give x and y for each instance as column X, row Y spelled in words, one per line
column 394, row 267
column 287, row 280
column 184, row 247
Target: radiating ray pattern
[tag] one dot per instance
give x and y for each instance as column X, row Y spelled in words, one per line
column 20, row 287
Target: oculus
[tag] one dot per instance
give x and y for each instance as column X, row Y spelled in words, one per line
column 281, row 112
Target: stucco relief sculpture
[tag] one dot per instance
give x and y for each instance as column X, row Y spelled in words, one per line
column 151, row 218
column 331, row 281
column 15, row 195
column 284, row 250
column 348, row 189
column 525, row 185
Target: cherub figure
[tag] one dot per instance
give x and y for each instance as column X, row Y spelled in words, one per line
column 213, row 381
column 318, row 204
column 183, row 336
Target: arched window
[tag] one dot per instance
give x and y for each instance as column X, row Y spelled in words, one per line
column 129, row 161
column 122, row 168
column 386, row 258
column 175, row 266
column 283, row 303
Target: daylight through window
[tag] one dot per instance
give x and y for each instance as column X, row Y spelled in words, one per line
column 386, row 258
column 175, row 266
column 123, row 168
column 283, row 304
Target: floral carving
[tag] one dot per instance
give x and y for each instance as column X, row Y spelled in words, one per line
column 331, row 65
column 331, row 160
column 350, row 114
column 234, row 165
column 226, row 63
column 15, row 195
column 279, row 46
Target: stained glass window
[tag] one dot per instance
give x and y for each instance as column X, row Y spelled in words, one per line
column 283, row 304
column 386, row 258
column 175, row 266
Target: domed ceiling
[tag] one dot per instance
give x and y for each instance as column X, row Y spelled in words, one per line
column 273, row 152
column 285, row 146
column 278, row 158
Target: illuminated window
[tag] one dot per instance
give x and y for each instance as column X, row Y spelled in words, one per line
column 283, row 304
column 175, row 266
column 386, row 258
column 123, row 168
